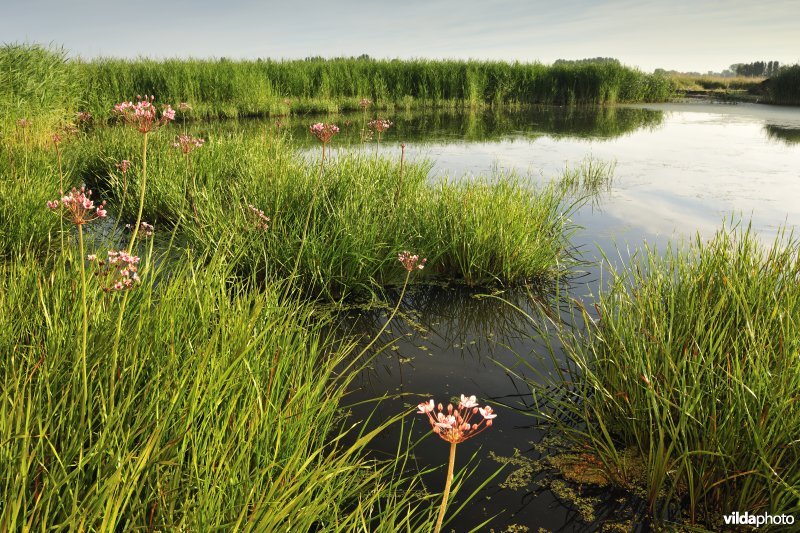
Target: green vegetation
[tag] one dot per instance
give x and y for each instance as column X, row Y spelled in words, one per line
column 245, row 88
column 197, row 386
column 691, row 366
column 784, row 88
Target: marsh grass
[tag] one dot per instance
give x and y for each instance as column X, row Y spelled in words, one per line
column 499, row 231
column 691, row 366
column 592, row 177
column 224, row 412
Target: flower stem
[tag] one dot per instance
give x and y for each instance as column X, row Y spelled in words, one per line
column 308, row 220
column 85, row 332
column 388, row 320
column 141, row 196
column 447, row 484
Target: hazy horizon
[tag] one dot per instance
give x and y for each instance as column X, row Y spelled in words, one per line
column 684, row 36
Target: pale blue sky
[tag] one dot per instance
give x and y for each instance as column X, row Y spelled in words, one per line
column 680, row 34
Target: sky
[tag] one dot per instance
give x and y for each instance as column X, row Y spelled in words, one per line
column 684, row 35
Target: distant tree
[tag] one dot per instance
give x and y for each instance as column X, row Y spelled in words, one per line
column 588, row 61
column 756, row 68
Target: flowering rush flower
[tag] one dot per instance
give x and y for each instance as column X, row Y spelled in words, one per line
column 183, row 106
column 261, row 220
column 187, row 143
column 79, row 206
column 364, row 103
column 380, row 124
column 117, row 272
column 143, row 115
column 23, row 123
column 84, row 116
column 411, row 262
column 323, row 131
column 123, row 166
column 456, row 425
column 145, row 229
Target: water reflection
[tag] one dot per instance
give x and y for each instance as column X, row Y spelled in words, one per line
column 460, row 126
column 789, row 136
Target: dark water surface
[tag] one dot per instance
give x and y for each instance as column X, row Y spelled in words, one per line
column 681, row 169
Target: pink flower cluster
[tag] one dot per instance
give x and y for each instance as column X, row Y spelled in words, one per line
column 143, row 115
column 364, row 103
column 145, row 229
column 123, row 166
column 84, row 117
column 411, row 262
column 324, row 132
column 380, row 124
column 24, row 123
column 80, row 207
column 261, row 220
column 456, row 425
column 118, row 272
column 183, row 106
column 187, row 143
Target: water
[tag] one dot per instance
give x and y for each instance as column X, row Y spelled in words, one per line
column 681, row 169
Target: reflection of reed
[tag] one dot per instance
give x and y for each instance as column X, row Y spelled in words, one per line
column 783, row 134
column 456, row 126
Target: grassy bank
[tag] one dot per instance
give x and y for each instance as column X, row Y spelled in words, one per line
column 684, row 389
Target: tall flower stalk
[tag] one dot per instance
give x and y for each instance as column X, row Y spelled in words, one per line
column 324, row 133
column 455, row 425
column 80, row 210
column 187, row 144
column 364, row 104
column 412, row 263
column 143, row 116
column 379, row 125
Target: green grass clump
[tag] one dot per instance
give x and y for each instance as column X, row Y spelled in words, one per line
column 693, row 364
column 211, row 405
column 364, row 211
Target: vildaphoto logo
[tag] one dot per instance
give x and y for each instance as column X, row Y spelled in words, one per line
column 746, row 519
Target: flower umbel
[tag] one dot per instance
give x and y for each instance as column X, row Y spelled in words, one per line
column 364, row 103
column 324, row 132
column 260, row 220
column 145, row 229
column 456, row 425
column 187, row 143
column 143, row 115
column 380, row 124
column 123, row 166
column 118, row 272
column 80, row 208
column 411, row 262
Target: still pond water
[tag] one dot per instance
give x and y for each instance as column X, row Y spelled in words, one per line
column 681, row 169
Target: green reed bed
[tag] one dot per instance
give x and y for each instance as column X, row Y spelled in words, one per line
column 209, row 406
column 225, row 88
column 685, row 388
column 784, row 88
